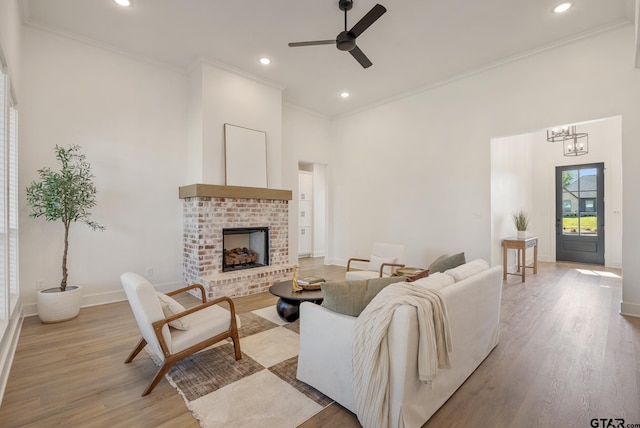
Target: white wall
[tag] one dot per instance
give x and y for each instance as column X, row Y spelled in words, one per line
column 195, row 138
column 418, row 170
column 523, row 174
column 228, row 97
column 512, row 178
column 129, row 117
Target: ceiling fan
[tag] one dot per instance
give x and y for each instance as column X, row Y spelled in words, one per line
column 346, row 40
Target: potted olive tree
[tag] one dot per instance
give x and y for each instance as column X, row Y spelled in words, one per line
column 65, row 196
column 521, row 221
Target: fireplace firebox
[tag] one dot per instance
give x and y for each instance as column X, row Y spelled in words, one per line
column 245, row 248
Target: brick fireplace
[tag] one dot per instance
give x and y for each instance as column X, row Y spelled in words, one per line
column 207, row 210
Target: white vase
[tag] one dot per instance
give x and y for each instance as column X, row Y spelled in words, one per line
column 57, row 306
column 522, row 234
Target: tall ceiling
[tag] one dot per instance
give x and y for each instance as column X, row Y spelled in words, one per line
column 417, row 43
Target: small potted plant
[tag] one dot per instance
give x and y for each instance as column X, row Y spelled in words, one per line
column 521, row 221
column 66, row 196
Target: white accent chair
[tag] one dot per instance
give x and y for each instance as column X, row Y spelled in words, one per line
column 207, row 324
column 384, row 259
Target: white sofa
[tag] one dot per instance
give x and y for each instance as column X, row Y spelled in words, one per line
column 325, row 359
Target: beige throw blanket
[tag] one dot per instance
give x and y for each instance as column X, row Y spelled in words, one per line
column 371, row 352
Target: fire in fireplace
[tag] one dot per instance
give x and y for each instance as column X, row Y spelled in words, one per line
column 245, row 248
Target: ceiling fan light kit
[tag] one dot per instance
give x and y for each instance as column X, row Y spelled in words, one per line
column 346, row 40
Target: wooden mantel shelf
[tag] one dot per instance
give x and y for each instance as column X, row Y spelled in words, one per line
column 238, row 192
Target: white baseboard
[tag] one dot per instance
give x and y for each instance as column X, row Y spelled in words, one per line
column 336, row 262
column 8, row 345
column 97, row 299
column 630, row 309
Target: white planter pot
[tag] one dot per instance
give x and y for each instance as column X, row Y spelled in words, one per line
column 522, row 234
column 57, row 306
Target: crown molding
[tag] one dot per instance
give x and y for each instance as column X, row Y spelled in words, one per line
column 305, row 110
column 221, row 65
column 104, row 46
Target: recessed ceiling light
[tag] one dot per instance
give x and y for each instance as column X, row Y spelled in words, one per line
column 344, row 94
column 124, row 3
column 265, row 61
column 562, row 7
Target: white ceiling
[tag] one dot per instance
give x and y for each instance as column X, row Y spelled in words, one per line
column 417, row 43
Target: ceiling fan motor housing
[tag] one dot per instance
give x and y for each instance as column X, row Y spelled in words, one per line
column 345, row 41
column 345, row 4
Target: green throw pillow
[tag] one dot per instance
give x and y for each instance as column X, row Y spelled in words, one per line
column 446, row 262
column 351, row 297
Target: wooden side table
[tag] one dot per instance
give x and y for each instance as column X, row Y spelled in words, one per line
column 407, row 271
column 520, row 244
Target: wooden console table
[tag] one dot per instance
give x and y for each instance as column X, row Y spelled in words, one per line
column 521, row 245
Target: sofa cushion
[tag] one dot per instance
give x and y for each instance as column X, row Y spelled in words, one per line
column 437, row 281
column 439, row 259
column 171, row 307
column 375, row 262
column 446, row 262
column 468, row 269
column 351, row 297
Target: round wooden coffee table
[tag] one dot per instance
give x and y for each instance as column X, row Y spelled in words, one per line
column 288, row 306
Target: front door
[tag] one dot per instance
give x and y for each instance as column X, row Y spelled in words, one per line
column 580, row 213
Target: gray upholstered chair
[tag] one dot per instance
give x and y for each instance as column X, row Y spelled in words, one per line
column 384, row 259
column 198, row 327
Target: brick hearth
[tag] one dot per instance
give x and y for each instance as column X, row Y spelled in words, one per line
column 207, row 209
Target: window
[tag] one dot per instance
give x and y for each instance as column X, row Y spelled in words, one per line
column 4, row 280
column 13, row 202
column 9, row 288
column 589, row 205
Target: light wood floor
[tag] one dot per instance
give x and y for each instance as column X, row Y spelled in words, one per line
column 565, row 356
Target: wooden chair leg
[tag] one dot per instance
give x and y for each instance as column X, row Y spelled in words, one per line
column 136, row 351
column 236, row 345
column 163, row 370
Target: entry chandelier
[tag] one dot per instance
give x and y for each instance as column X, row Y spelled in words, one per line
column 573, row 143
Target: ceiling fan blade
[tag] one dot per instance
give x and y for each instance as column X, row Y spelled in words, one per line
column 317, row 42
column 372, row 16
column 360, row 57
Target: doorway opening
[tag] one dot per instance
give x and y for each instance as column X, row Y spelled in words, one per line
column 312, row 209
column 523, row 175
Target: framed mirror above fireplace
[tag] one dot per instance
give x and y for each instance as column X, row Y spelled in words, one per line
column 245, row 156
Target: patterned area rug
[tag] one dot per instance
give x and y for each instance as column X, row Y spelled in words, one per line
column 259, row 390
